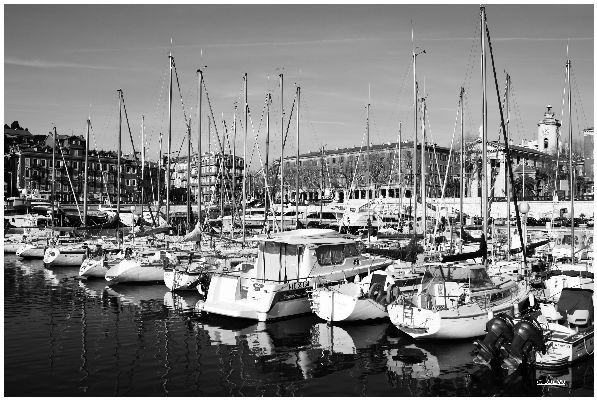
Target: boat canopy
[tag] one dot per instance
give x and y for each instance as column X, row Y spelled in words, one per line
column 474, row 274
column 573, row 299
column 306, row 236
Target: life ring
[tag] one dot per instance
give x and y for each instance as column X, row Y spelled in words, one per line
column 375, row 289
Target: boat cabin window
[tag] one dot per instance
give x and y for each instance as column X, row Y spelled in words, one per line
column 330, row 254
column 278, row 262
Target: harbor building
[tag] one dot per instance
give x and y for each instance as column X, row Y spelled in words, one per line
column 28, row 165
column 216, row 176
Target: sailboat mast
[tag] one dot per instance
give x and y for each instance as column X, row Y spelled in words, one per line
column 368, row 172
column 266, row 180
column 400, row 171
column 170, row 59
column 507, row 181
column 415, row 101
column 245, row 161
column 570, row 163
column 461, row 163
column 85, row 173
column 53, row 177
column 282, row 152
column 118, row 172
column 423, row 172
column 199, row 164
column 143, row 164
column 298, row 118
column 159, row 199
column 233, row 186
column 189, row 211
column 484, row 194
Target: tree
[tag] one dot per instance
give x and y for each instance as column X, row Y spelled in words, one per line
column 15, row 125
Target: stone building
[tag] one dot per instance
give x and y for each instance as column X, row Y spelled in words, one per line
column 28, row 165
column 216, row 176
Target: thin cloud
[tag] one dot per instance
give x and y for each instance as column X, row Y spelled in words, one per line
column 237, row 44
column 52, row 64
column 326, row 122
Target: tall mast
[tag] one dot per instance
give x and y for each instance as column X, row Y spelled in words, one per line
column 322, row 188
column 160, row 178
column 245, row 159
column 400, row 171
column 282, row 152
column 298, row 118
column 233, row 190
column 118, row 172
column 189, row 211
column 570, row 163
column 507, row 181
column 222, row 171
column 170, row 59
column 368, row 173
column 266, row 190
column 415, row 140
column 199, row 159
column 143, row 164
column 461, row 164
column 423, row 172
column 85, row 174
column 484, row 199
column 53, row 178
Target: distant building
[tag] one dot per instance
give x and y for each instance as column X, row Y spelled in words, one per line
column 344, row 172
column 216, row 176
column 548, row 131
column 28, row 165
column 589, row 158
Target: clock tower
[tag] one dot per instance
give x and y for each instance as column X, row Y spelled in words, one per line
column 548, row 131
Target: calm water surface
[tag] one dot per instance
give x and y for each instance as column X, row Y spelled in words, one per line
column 65, row 337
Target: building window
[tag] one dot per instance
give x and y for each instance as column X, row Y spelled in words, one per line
column 27, row 161
column 545, row 144
column 26, row 172
column 75, row 164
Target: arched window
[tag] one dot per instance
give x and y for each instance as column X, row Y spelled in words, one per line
column 545, row 144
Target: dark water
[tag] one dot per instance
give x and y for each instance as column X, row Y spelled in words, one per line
column 63, row 337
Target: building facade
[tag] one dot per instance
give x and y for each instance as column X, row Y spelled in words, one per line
column 342, row 173
column 216, row 176
column 28, row 165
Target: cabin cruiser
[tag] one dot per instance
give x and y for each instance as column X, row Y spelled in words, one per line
column 565, row 274
column 288, row 265
column 366, row 298
column 554, row 337
column 454, row 300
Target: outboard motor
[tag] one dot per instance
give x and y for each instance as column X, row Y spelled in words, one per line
column 500, row 332
column 528, row 338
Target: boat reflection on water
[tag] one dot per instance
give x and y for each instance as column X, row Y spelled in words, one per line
column 57, row 276
column 137, row 295
column 574, row 380
column 347, row 339
column 182, row 302
column 93, row 288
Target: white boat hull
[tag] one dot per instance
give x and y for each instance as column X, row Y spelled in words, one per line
column 54, row 257
column 334, row 306
column 565, row 348
column 464, row 322
column 11, row 248
column 132, row 270
column 181, row 280
column 93, row 268
column 31, row 251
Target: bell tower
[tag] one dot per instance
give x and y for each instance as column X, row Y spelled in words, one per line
column 548, row 131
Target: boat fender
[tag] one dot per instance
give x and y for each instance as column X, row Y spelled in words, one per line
column 531, row 300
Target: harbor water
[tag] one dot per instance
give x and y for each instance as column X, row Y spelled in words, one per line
column 67, row 337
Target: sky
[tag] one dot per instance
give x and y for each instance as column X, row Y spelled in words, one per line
column 63, row 63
